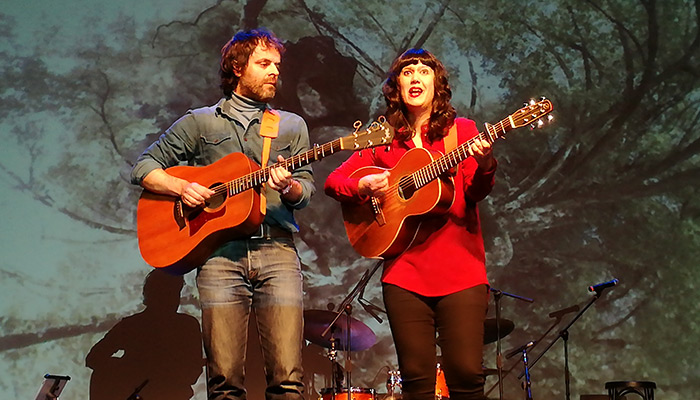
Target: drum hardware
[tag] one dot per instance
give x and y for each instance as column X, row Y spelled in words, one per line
column 497, row 294
column 346, row 334
column 497, row 329
column 352, row 334
column 440, row 384
column 355, row 393
column 393, row 383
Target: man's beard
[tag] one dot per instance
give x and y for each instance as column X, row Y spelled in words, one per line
column 257, row 91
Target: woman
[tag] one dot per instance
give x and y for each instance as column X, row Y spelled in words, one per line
column 436, row 291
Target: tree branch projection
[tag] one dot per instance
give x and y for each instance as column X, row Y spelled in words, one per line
column 569, row 163
column 318, row 21
column 193, row 23
column 609, row 189
column 251, row 12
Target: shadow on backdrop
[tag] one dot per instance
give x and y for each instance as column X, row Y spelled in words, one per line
column 155, row 354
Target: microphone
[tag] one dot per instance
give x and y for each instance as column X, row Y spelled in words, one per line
column 520, row 349
column 563, row 311
column 601, row 286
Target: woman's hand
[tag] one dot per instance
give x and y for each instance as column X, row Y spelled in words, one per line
column 375, row 185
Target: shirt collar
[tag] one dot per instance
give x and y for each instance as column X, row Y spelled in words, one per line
column 241, row 109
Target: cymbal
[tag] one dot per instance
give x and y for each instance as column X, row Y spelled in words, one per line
column 316, row 321
column 506, row 327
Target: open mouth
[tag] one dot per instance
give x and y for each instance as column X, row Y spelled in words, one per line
column 415, row 92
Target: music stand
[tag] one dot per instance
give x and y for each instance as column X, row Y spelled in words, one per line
column 52, row 387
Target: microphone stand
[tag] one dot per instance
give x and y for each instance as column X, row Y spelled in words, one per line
column 346, row 307
column 564, row 335
column 497, row 294
column 556, row 314
column 135, row 394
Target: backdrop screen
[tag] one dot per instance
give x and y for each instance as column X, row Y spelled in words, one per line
column 608, row 190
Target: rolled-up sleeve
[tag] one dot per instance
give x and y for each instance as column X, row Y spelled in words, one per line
column 175, row 146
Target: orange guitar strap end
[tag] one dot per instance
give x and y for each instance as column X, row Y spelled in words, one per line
column 451, row 138
column 270, row 124
column 269, row 129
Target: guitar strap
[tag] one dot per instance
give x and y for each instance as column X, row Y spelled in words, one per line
column 269, row 128
column 451, row 138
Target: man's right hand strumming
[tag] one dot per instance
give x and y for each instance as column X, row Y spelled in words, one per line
column 192, row 193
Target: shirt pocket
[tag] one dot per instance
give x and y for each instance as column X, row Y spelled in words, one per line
column 280, row 147
column 214, row 138
column 215, row 146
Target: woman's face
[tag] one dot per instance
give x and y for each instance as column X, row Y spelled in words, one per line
column 417, row 87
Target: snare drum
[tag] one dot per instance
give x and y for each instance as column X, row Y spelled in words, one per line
column 441, row 391
column 356, row 393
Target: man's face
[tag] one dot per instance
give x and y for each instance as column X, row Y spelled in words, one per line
column 258, row 80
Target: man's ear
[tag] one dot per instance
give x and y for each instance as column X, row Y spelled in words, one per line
column 237, row 70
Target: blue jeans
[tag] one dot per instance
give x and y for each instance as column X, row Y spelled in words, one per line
column 259, row 274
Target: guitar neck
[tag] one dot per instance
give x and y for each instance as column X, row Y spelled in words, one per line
column 430, row 172
column 259, row 177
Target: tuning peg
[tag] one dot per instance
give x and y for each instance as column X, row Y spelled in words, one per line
column 543, row 98
column 532, row 102
column 540, row 123
column 550, row 118
column 526, row 104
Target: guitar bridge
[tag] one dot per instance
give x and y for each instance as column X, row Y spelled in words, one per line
column 377, row 211
column 179, row 214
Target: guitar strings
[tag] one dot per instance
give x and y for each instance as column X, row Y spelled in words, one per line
column 446, row 161
column 454, row 157
column 260, row 176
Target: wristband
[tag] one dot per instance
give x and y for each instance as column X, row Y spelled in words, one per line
column 288, row 188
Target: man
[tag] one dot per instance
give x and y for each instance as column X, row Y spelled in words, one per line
column 260, row 272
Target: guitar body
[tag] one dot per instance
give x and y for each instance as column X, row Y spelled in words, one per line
column 179, row 238
column 386, row 227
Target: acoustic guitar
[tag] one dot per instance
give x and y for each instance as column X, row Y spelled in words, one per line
column 419, row 186
column 179, row 238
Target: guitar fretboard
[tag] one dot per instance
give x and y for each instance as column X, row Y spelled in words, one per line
column 261, row 176
column 430, row 172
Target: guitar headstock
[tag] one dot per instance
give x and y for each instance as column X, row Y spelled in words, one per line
column 377, row 134
column 531, row 114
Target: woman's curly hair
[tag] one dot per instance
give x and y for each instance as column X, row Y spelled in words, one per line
column 443, row 113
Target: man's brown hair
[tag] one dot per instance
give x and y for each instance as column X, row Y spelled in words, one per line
column 235, row 54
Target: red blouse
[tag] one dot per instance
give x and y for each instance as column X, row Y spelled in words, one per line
column 452, row 257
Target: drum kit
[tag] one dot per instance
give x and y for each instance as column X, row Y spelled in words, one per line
column 345, row 333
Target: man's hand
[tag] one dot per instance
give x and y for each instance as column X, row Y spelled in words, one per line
column 280, row 178
column 193, row 194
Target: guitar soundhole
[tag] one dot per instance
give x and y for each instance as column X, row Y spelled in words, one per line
column 217, row 199
column 407, row 187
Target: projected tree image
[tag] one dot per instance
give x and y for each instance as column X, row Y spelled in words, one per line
column 608, row 190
